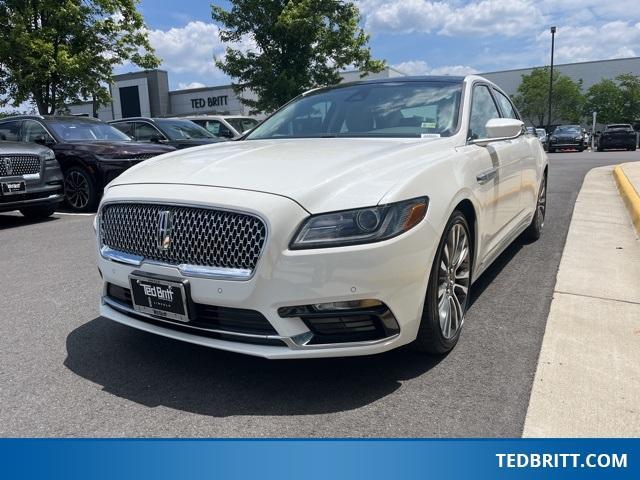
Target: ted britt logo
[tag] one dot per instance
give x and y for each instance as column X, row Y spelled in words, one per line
column 165, row 230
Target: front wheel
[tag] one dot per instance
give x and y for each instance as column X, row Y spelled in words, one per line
column 80, row 190
column 448, row 291
column 534, row 231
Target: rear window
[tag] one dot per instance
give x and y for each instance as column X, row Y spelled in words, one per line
column 621, row 126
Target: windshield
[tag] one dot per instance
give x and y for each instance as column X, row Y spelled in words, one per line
column 242, row 124
column 540, row 132
column 182, row 129
column 72, row 130
column 569, row 129
column 390, row 109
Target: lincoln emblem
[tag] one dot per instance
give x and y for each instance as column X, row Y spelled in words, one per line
column 165, row 227
column 8, row 165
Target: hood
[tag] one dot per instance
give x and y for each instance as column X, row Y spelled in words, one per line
column 115, row 149
column 321, row 174
column 13, row 148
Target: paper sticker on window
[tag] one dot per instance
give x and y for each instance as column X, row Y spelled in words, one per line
column 430, row 135
column 428, row 125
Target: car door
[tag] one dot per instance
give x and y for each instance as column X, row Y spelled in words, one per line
column 525, row 147
column 500, row 180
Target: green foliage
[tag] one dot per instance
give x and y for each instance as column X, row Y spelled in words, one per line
column 532, row 99
column 55, row 52
column 605, row 98
column 299, row 44
column 615, row 101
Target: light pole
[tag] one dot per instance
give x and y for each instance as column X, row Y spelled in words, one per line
column 553, row 38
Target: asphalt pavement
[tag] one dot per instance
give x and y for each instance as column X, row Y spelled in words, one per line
column 66, row 372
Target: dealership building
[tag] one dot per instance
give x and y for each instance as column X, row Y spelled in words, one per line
column 147, row 93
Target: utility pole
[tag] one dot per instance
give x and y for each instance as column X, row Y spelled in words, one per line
column 553, row 37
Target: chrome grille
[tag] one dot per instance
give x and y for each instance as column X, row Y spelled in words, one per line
column 198, row 236
column 19, row 165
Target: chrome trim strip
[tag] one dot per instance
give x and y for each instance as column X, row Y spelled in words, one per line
column 299, row 342
column 31, row 176
column 121, row 257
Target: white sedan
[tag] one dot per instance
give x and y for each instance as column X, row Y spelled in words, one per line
column 352, row 221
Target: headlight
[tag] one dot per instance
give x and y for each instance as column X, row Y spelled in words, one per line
column 364, row 225
column 49, row 155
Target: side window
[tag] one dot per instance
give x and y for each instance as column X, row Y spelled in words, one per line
column 506, row 106
column 10, row 131
column 225, row 132
column 33, row 131
column 125, row 127
column 146, row 132
column 213, row 126
column 483, row 109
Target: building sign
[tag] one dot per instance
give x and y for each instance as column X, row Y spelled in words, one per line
column 218, row 101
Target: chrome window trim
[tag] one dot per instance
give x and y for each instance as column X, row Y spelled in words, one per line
column 195, row 271
column 299, row 342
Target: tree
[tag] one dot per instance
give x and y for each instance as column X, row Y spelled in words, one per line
column 299, row 44
column 532, row 98
column 55, row 52
column 630, row 93
column 604, row 97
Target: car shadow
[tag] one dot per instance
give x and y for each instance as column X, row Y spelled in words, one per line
column 155, row 371
column 490, row 274
column 15, row 221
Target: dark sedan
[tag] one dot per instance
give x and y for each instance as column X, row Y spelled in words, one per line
column 617, row 136
column 178, row 133
column 567, row 137
column 91, row 153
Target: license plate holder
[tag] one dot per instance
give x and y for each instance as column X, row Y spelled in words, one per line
column 14, row 188
column 160, row 296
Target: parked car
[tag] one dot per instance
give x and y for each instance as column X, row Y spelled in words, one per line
column 338, row 231
column 541, row 133
column 225, row 126
column 90, row 152
column 567, row 137
column 617, row 135
column 30, row 179
column 178, row 133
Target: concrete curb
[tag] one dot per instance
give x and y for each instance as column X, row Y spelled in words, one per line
column 629, row 194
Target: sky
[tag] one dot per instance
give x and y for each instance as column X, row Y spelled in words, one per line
column 422, row 36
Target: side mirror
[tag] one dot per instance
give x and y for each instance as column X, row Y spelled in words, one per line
column 43, row 140
column 157, row 139
column 500, row 129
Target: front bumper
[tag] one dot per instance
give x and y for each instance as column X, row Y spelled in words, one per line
column 394, row 272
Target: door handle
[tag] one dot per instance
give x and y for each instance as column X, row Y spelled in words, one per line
column 486, row 176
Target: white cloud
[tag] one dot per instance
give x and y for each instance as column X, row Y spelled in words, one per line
column 187, row 86
column 191, row 49
column 484, row 18
column 615, row 39
column 420, row 67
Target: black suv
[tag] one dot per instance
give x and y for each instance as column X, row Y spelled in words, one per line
column 178, row 133
column 617, row 135
column 91, row 153
column 30, row 179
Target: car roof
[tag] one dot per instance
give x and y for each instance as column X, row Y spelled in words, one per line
column 68, row 118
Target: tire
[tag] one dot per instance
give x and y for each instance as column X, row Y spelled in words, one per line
column 38, row 213
column 551, row 150
column 600, row 148
column 448, row 289
column 534, row 231
column 81, row 194
column 633, row 149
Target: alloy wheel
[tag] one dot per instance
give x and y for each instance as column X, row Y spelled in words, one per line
column 542, row 203
column 77, row 190
column 454, row 280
